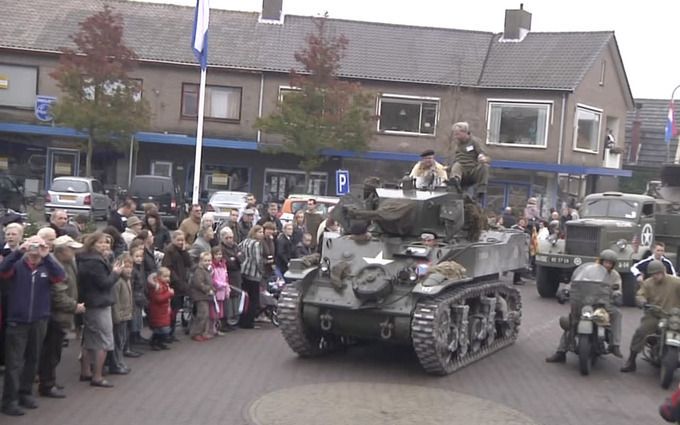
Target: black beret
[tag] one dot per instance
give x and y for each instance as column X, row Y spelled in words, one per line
column 428, row 152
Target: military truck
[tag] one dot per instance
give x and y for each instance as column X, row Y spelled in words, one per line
column 622, row 222
column 444, row 297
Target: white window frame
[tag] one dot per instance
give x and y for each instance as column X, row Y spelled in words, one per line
column 163, row 163
column 588, row 108
column 409, row 99
column 524, row 102
column 283, row 89
column 208, row 88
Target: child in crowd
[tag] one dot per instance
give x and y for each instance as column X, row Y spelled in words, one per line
column 221, row 286
column 121, row 312
column 139, row 295
column 160, row 313
column 201, row 290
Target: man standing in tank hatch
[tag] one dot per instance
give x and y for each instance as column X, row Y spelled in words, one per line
column 428, row 172
column 469, row 162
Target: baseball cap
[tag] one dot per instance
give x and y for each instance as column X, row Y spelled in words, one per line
column 67, row 241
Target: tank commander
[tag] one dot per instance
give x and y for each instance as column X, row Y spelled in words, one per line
column 660, row 289
column 429, row 239
column 428, row 172
column 469, row 163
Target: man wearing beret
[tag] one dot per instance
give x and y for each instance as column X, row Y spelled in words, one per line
column 469, row 162
column 427, row 171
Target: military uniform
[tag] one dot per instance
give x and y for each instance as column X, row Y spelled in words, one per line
column 665, row 294
column 465, row 165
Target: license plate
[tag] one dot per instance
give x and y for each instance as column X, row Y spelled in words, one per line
column 559, row 260
column 67, row 197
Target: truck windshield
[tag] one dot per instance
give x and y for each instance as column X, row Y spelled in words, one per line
column 612, row 208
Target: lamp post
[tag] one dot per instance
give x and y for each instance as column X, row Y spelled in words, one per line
column 672, row 122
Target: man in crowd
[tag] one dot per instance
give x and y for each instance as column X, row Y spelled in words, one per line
column 660, row 289
column 245, row 223
column 304, row 247
column 508, row 218
column 134, row 226
column 30, row 271
column 428, row 172
column 639, row 269
column 14, row 232
column 272, row 216
column 284, row 248
column 64, row 298
column 251, row 203
column 312, row 207
column 48, row 235
column 191, row 224
column 58, row 222
column 469, row 163
column 118, row 218
column 233, row 224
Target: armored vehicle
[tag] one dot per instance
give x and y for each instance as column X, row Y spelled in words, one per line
column 443, row 296
column 618, row 221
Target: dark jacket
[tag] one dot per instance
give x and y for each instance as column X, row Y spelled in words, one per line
column 116, row 220
column 149, row 262
column 284, row 252
column 96, row 280
column 298, row 232
column 201, row 285
column 243, row 230
column 179, row 264
column 161, row 237
column 268, row 256
column 269, row 218
column 139, row 286
column 233, row 257
column 65, row 297
column 28, row 290
column 301, row 250
column 58, row 231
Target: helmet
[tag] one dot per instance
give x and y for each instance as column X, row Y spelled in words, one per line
column 608, row 255
column 655, row 266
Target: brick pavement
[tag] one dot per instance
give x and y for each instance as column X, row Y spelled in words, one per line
column 217, row 382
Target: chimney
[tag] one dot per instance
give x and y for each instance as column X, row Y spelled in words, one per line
column 272, row 10
column 517, row 24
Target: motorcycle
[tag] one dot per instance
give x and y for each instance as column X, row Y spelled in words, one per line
column 663, row 347
column 269, row 299
column 588, row 326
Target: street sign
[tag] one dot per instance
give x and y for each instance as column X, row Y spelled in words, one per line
column 43, row 106
column 341, row 182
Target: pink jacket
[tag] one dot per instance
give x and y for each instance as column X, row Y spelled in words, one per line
column 220, row 280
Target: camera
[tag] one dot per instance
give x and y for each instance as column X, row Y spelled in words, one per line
column 34, row 246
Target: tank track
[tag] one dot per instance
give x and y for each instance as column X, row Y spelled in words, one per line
column 294, row 331
column 431, row 328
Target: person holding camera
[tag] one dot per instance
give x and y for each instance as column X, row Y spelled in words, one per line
column 30, row 272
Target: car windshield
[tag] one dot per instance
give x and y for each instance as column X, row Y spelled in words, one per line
column 76, row 186
column 231, row 198
column 612, row 208
column 302, row 205
column 144, row 188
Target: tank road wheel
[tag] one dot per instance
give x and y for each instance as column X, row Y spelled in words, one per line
column 298, row 336
column 440, row 328
column 629, row 289
column 547, row 281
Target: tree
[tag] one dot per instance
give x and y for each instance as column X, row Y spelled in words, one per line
column 99, row 98
column 322, row 112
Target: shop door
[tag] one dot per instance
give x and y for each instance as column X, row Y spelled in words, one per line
column 61, row 162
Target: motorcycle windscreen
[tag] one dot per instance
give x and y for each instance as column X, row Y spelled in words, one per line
column 590, row 286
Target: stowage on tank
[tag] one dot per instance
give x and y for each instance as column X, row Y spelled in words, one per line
column 408, row 274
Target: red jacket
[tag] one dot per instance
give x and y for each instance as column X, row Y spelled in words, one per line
column 160, row 313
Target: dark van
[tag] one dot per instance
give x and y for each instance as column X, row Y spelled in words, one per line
column 163, row 193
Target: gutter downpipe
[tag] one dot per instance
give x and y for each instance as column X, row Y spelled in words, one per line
column 561, row 141
column 259, row 106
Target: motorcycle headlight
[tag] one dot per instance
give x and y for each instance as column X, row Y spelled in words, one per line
column 622, row 244
column 587, row 312
column 552, row 239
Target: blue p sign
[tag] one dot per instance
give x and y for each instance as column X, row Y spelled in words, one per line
column 341, row 182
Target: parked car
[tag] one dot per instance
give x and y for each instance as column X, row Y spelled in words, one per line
column 161, row 192
column 223, row 201
column 11, row 194
column 296, row 202
column 78, row 195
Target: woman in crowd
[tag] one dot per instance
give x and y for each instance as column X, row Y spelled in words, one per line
column 153, row 222
column 118, row 245
column 177, row 260
column 299, row 227
column 97, row 277
column 252, row 269
column 147, row 238
column 269, row 249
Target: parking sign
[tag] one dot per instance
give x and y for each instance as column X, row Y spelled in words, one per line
column 341, row 182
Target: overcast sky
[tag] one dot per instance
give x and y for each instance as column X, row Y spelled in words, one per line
column 647, row 32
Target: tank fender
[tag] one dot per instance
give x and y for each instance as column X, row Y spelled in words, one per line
column 434, row 283
column 301, row 274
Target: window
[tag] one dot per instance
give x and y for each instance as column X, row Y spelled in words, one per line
column 278, row 184
column 97, row 187
column 221, row 103
column 407, row 114
column 284, row 90
column 110, row 87
column 18, row 85
column 518, row 123
column 587, row 129
column 161, row 168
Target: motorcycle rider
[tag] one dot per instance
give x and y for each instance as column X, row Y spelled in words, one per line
column 607, row 259
column 660, row 289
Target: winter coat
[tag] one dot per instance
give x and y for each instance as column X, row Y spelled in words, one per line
column 252, row 265
column 140, row 296
column 160, row 313
column 301, row 250
column 161, row 237
column 268, row 255
column 65, row 297
column 243, row 230
column 179, row 264
column 199, row 246
column 233, row 256
column 284, row 252
column 201, row 285
column 96, row 280
column 271, row 219
column 28, row 291
column 220, row 280
column 121, row 310
column 118, row 221
column 149, row 262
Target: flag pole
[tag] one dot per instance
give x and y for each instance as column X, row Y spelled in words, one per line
column 199, row 139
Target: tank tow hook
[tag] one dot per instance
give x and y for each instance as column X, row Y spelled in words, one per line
column 386, row 328
column 326, row 321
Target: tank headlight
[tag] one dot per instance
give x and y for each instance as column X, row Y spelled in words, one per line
column 622, row 244
column 413, row 276
column 325, row 265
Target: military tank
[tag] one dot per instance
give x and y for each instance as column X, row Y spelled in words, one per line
column 443, row 296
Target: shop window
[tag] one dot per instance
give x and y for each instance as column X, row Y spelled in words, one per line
column 518, row 123
column 278, row 184
column 221, row 102
column 407, row 114
column 587, row 129
column 18, row 85
column 161, row 168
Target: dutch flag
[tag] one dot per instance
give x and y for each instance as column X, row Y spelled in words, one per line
column 199, row 39
column 671, row 130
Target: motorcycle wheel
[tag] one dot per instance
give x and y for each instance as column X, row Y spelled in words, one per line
column 669, row 363
column 584, row 354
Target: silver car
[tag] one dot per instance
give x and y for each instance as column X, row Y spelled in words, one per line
column 223, row 201
column 78, row 195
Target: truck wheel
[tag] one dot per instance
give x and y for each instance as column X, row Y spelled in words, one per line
column 629, row 288
column 547, row 281
column 669, row 363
